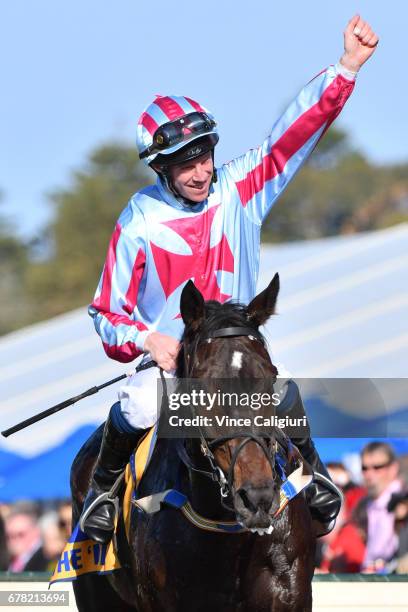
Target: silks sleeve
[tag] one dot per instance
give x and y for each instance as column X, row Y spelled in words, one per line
column 262, row 174
column 114, row 308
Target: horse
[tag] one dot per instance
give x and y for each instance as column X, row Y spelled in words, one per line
column 169, row 563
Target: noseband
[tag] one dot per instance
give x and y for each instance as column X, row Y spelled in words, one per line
column 267, row 443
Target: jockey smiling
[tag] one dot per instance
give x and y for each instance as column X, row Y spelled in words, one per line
column 199, row 223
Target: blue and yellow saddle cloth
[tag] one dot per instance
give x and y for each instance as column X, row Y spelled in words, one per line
column 82, row 555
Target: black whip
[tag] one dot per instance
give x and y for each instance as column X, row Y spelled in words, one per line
column 70, row 401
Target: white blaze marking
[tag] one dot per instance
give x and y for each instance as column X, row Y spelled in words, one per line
column 237, row 360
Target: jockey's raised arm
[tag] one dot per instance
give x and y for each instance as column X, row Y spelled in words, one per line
column 261, row 174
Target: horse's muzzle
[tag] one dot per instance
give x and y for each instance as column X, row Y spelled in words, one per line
column 256, row 505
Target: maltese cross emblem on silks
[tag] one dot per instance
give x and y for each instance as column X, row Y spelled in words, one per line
column 200, row 262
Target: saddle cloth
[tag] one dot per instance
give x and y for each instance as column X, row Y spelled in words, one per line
column 82, row 555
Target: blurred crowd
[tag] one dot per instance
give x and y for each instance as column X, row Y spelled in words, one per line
column 371, row 533
column 32, row 536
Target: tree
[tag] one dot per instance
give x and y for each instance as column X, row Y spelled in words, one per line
column 15, row 309
column 79, row 235
column 332, row 191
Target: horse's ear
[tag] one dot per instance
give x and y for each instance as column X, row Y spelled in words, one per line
column 191, row 305
column 263, row 305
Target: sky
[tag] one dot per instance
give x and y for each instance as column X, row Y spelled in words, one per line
column 76, row 75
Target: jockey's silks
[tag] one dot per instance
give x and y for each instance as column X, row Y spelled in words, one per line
column 159, row 244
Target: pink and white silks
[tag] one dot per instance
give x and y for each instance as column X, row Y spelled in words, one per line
column 159, row 243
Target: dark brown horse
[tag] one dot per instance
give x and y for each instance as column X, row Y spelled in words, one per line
column 170, row 565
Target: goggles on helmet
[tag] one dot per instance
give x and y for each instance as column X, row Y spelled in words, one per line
column 173, row 132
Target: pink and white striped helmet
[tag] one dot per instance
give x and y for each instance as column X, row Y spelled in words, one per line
column 170, row 123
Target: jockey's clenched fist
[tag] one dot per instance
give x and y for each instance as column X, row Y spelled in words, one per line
column 360, row 42
column 163, row 349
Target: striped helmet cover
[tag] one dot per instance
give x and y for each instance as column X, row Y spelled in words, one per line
column 162, row 110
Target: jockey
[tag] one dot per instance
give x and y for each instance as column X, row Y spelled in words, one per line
column 204, row 224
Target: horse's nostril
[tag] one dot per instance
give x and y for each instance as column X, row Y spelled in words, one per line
column 255, row 498
column 246, row 501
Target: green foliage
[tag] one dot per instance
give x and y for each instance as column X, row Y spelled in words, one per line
column 85, row 215
column 338, row 191
column 13, row 273
column 331, row 149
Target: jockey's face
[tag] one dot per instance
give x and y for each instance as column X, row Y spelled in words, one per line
column 192, row 179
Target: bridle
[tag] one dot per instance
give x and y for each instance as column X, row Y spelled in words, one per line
column 267, row 443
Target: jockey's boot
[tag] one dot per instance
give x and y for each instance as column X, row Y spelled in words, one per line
column 322, row 495
column 98, row 518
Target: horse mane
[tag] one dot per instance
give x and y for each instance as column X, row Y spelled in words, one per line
column 217, row 316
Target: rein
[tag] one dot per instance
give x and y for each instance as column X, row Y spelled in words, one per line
column 268, row 443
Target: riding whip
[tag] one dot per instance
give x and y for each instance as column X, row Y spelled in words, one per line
column 70, row 401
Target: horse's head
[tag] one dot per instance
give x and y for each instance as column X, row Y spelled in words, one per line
column 222, row 341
